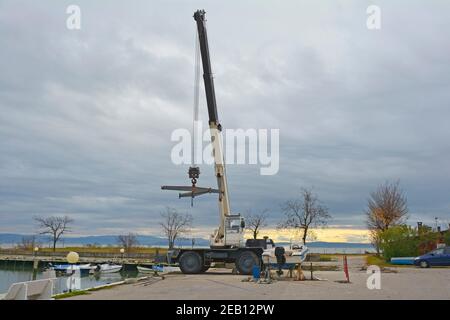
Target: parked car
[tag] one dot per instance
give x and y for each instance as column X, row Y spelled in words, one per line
column 438, row 257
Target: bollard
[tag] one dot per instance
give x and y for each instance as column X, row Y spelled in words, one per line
column 347, row 276
column 300, row 275
column 35, row 268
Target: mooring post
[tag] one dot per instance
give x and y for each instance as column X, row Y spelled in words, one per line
column 300, row 275
column 35, row 262
column 35, row 268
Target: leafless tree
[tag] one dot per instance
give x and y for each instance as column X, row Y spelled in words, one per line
column 255, row 222
column 55, row 226
column 386, row 207
column 128, row 241
column 175, row 225
column 304, row 213
column 28, row 243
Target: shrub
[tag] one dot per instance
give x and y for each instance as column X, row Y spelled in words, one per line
column 404, row 241
column 399, row 241
column 447, row 238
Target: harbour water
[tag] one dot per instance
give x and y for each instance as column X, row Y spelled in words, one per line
column 330, row 250
column 19, row 271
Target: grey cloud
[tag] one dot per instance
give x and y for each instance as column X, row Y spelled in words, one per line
column 87, row 115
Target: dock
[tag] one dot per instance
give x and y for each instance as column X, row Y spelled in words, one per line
column 132, row 260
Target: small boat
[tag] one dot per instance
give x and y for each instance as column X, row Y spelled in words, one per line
column 286, row 257
column 70, row 268
column 145, row 269
column 403, row 260
column 157, row 268
column 108, row 268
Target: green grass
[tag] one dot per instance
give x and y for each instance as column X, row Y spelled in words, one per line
column 71, row 294
column 327, row 258
column 103, row 288
column 377, row 261
column 381, row 262
column 83, row 292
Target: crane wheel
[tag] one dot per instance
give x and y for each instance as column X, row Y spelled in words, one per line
column 191, row 262
column 246, row 261
column 205, row 268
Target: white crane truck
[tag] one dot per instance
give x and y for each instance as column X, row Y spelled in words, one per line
column 227, row 243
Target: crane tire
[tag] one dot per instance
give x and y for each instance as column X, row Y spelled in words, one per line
column 246, row 261
column 191, row 262
column 205, row 268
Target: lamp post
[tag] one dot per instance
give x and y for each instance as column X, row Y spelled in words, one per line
column 35, row 262
column 72, row 258
column 122, row 252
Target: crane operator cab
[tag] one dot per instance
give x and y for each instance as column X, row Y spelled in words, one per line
column 234, row 228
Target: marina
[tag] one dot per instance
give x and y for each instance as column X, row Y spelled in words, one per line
column 20, row 272
column 85, row 275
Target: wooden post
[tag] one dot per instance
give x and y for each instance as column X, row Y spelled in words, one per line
column 35, row 268
column 300, row 275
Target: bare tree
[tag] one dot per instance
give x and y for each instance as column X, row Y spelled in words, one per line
column 175, row 225
column 255, row 222
column 304, row 213
column 386, row 207
column 128, row 241
column 28, row 243
column 55, row 226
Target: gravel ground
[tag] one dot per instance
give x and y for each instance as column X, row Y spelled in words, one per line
column 402, row 283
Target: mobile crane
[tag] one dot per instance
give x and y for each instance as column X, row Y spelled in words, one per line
column 227, row 242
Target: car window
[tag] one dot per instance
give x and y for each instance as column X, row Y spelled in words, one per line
column 447, row 250
column 438, row 251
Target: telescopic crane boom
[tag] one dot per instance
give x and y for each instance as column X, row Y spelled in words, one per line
column 227, row 243
column 231, row 226
column 215, row 129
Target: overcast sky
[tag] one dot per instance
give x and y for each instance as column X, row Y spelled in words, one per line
column 86, row 115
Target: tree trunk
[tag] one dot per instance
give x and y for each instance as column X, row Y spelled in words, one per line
column 305, row 233
column 255, row 234
column 377, row 247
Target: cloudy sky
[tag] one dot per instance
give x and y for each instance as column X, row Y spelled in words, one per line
column 86, row 115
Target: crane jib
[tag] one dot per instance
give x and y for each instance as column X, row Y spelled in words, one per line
column 199, row 17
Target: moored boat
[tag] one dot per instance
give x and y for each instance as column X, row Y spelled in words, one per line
column 108, row 268
column 157, row 268
column 71, row 268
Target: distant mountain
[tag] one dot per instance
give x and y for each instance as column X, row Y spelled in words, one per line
column 12, row 238
column 322, row 244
